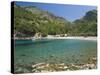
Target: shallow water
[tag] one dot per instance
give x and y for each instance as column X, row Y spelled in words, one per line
column 58, row 51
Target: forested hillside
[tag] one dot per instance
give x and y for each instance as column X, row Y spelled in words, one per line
column 87, row 25
column 31, row 20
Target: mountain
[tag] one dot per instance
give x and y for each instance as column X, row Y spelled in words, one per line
column 31, row 20
column 87, row 25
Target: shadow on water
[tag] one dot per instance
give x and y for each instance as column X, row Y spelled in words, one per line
column 29, row 42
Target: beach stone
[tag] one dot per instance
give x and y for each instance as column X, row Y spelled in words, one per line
column 65, row 67
column 50, row 67
column 94, row 59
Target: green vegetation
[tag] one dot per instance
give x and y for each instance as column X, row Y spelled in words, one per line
column 86, row 26
column 31, row 20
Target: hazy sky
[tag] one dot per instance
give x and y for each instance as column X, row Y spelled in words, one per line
column 69, row 12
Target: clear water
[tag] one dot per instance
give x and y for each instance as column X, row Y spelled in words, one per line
column 58, row 51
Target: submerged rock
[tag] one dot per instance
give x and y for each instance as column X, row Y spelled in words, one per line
column 19, row 68
column 23, row 55
column 52, row 66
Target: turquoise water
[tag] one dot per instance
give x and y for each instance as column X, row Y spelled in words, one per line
column 58, row 51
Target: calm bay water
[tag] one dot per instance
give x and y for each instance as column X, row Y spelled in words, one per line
column 59, row 51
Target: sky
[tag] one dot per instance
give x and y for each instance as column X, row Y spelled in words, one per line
column 69, row 12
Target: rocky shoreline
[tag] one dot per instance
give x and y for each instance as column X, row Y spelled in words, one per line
column 54, row 67
column 55, row 37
